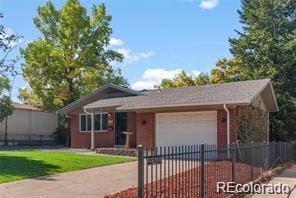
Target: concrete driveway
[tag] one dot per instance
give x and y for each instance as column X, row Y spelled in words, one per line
column 88, row 183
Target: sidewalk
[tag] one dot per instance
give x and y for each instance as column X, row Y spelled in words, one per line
column 288, row 177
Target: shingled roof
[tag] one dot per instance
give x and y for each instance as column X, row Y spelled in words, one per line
column 243, row 92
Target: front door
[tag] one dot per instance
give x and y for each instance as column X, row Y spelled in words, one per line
column 120, row 126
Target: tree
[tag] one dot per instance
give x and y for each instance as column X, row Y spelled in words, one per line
column 72, row 58
column 184, row 79
column 6, row 107
column 225, row 71
column 8, row 42
column 266, row 48
column 202, row 79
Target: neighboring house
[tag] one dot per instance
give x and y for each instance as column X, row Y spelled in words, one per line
column 210, row 114
column 29, row 125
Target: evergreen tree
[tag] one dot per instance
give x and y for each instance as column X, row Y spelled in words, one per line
column 266, row 48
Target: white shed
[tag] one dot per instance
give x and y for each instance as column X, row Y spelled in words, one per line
column 29, row 125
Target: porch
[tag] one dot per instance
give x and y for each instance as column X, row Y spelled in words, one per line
column 111, row 131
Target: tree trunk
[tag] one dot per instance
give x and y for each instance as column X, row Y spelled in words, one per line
column 5, row 133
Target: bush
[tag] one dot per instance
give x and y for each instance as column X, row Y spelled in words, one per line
column 61, row 136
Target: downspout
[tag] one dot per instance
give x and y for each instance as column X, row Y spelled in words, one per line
column 228, row 128
column 268, row 128
column 92, row 145
column 69, row 124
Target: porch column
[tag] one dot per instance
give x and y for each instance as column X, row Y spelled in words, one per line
column 92, row 130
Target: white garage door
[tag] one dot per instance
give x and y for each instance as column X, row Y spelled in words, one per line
column 190, row 128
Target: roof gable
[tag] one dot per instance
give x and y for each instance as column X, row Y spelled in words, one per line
column 106, row 91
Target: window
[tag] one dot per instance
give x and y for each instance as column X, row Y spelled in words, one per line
column 97, row 122
column 100, row 119
column 104, row 121
column 82, row 122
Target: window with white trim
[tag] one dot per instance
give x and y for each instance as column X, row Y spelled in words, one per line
column 100, row 122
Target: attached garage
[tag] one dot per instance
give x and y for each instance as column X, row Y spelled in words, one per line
column 186, row 128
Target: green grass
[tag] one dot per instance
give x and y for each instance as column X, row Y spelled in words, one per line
column 21, row 164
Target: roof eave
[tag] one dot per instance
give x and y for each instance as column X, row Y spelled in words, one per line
column 244, row 102
column 65, row 109
column 273, row 96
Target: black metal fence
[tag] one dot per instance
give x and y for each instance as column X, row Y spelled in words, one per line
column 27, row 139
column 193, row 171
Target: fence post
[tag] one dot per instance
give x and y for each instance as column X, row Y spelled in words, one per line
column 274, row 151
column 140, row 171
column 269, row 154
column 252, row 162
column 202, row 171
column 263, row 155
column 294, row 151
column 233, row 160
column 280, row 152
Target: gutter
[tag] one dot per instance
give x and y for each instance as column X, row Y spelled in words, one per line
column 85, row 111
column 228, row 128
column 124, row 108
column 228, row 123
column 92, row 147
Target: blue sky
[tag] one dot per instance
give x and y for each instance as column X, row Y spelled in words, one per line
column 157, row 37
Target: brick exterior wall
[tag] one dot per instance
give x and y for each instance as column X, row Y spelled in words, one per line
column 143, row 125
column 222, row 126
column 83, row 140
column 146, row 129
column 131, row 127
column 252, row 124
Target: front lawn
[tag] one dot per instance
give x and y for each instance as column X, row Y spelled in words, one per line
column 15, row 165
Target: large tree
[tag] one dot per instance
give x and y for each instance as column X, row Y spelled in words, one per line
column 8, row 42
column 71, row 58
column 266, row 48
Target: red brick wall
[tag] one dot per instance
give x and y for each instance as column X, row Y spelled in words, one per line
column 143, row 124
column 131, row 127
column 146, row 129
column 222, row 126
column 83, row 140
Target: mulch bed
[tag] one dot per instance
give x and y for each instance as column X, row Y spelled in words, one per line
column 185, row 184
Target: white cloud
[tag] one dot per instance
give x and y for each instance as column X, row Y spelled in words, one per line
column 115, row 42
column 208, row 4
column 153, row 77
column 131, row 57
column 195, row 73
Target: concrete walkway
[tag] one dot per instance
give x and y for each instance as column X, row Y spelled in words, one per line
column 88, row 183
column 288, row 177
